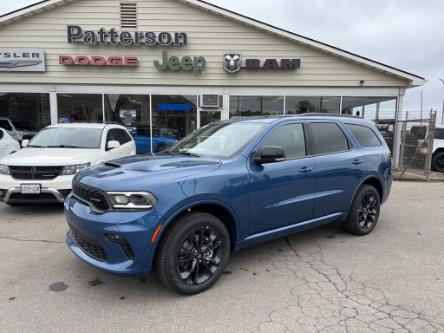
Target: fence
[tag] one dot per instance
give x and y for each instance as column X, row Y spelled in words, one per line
column 416, row 149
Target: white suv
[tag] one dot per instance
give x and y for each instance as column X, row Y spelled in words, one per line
column 438, row 149
column 42, row 172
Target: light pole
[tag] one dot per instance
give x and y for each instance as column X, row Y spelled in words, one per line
column 442, row 111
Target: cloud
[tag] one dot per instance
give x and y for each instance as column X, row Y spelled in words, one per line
column 404, row 34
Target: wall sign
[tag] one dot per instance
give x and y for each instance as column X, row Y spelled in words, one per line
column 174, row 63
column 98, row 61
column 233, row 63
column 112, row 37
column 22, row 60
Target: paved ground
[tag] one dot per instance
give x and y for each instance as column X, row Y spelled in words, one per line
column 321, row 280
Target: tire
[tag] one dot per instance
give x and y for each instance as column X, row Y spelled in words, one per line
column 193, row 253
column 364, row 212
column 438, row 161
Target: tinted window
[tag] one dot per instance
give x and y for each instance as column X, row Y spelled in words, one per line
column 439, row 134
column 290, row 138
column 122, row 136
column 365, row 136
column 328, row 138
column 5, row 125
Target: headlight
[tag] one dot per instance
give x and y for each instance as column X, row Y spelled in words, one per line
column 4, row 170
column 73, row 169
column 132, row 200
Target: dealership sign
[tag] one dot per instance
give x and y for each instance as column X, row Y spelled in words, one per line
column 233, row 63
column 112, row 37
column 82, row 60
column 22, row 60
column 174, row 63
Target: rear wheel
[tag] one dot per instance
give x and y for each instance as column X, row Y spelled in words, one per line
column 193, row 254
column 438, row 161
column 364, row 212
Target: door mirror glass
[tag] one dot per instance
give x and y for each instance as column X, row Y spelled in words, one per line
column 270, row 154
column 112, row 145
column 25, row 143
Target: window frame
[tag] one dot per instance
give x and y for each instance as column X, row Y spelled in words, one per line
column 312, row 141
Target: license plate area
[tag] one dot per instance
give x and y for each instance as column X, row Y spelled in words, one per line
column 30, row 188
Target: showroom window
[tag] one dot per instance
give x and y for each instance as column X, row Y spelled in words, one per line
column 27, row 113
column 248, row 106
column 74, row 108
column 311, row 104
column 174, row 117
column 371, row 108
column 208, row 117
column 133, row 112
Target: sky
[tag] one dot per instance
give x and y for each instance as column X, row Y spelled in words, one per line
column 406, row 34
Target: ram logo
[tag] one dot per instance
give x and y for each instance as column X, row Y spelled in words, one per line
column 232, row 62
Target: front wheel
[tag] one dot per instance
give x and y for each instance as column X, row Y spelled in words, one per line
column 364, row 212
column 193, row 254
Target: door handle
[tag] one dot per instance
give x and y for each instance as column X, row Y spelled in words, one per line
column 305, row 169
column 357, row 162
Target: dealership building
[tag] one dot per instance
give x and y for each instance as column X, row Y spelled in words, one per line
column 163, row 68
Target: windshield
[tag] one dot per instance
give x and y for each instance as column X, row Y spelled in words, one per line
column 220, row 140
column 68, row 137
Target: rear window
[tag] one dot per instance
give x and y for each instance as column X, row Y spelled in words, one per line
column 365, row 136
column 439, row 134
column 328, row 138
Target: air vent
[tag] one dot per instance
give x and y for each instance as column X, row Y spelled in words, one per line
column 210, row 101
column 128, row 15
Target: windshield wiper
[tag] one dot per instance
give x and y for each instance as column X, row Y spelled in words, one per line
column 62, row 146
column 35, row 146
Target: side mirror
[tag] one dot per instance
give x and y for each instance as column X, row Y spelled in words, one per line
column 270, row 154
column 25, row 143
column 112, row 145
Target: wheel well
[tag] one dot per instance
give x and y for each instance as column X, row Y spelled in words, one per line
column 439, row 150
column 218, row 211
column 376, row 184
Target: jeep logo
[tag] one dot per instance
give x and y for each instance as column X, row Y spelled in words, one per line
column 173, row 63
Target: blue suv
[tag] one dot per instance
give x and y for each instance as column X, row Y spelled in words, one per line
column 229, row 185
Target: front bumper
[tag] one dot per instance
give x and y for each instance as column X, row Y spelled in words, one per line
column 88, row 238
column 52, row 191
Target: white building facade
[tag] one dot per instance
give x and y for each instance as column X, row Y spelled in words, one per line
column 166, row 67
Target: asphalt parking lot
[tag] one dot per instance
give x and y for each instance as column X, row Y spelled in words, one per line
column 323, row 280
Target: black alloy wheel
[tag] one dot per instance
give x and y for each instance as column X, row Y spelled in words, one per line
column 199, row 256
column 367, row 214
column 193, row 253
column 364, row 212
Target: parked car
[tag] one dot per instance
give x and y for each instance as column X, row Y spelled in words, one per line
column 417, row 135
column 438, row 149
column 43, row 170
column 7, row 124
column 7, row 143
column 162, row 138
column 229, row 185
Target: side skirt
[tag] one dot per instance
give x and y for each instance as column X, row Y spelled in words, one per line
column 284, row 231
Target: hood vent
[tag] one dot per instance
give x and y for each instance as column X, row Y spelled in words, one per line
column 128, row 15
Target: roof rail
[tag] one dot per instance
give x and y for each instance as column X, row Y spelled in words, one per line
column 320, row 114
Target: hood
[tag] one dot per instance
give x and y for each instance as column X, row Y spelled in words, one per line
column 50, row 157
column 126, row 173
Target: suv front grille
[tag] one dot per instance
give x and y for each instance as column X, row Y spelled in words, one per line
column 88, row 246
column 91, row 195
column 40, row 172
